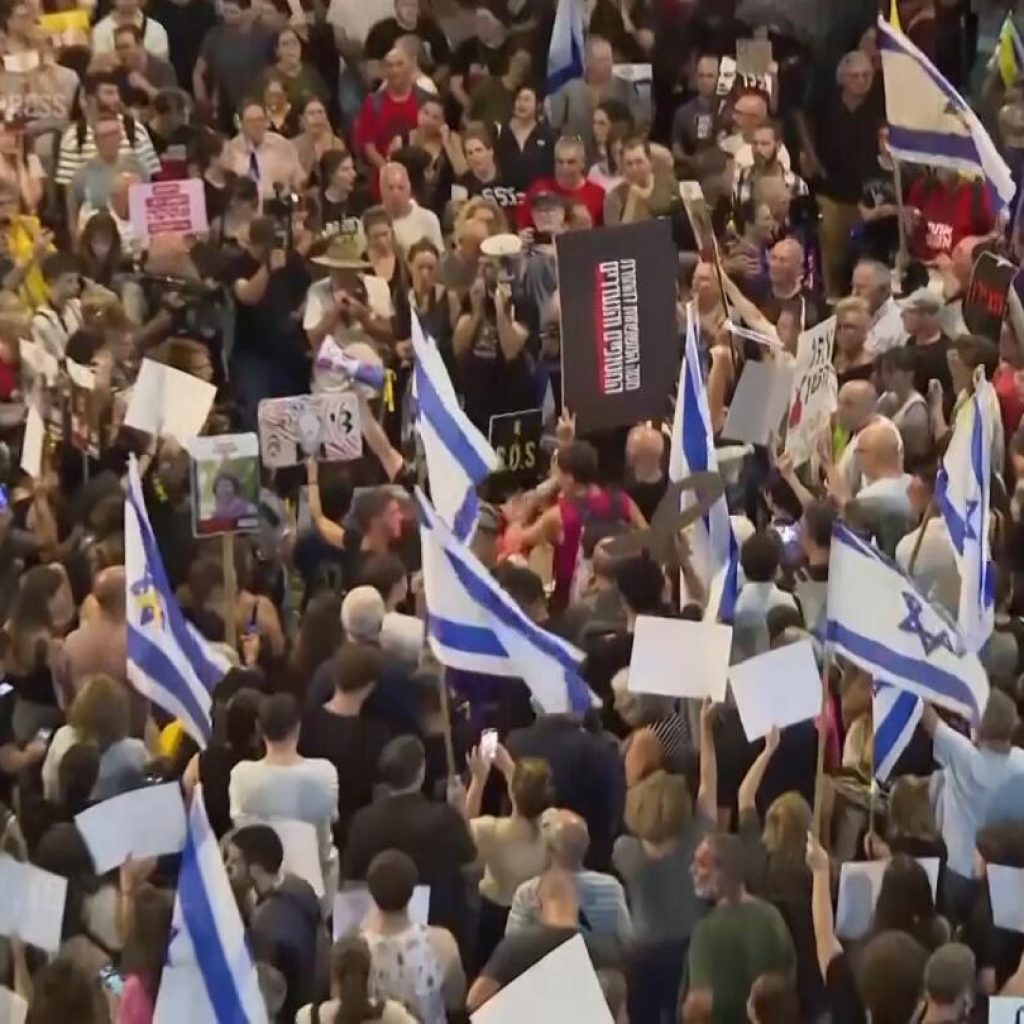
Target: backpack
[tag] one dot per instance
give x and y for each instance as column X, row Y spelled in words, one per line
column 130, row 131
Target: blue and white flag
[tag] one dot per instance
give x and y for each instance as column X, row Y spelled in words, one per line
column 931, row 123
column 458, row 456
column 895, row 714
column 962, row 492
column 878, row 618
column 565, row 54
column 168, row 661
column 473, row 625
column 715, row 551
column 209, row 977
column 332, row 357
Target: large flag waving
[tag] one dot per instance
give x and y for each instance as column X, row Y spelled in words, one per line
column 168, row 661
column 715, row 552
column 458, row 456
column 209, row 977
column 962, row 491
column 931, row 123
column 473, row 625
column 878, row 618
column 565, row 54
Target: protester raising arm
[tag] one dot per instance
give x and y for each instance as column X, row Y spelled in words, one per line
column 707, row 787
column 825, row 941
column 328, row 530
column 747, row 797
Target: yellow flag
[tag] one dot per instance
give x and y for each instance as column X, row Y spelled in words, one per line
column 894, row 15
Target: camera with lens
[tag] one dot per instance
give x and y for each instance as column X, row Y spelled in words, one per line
column 280, row 208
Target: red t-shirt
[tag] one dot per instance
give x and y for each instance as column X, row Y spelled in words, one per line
column 949, row 213
column 591, row 195
column 383, row 117
column 1011, row 402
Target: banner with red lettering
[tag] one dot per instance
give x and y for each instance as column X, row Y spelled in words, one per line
column 985, row 302
column 620, row 343
column 168, row 207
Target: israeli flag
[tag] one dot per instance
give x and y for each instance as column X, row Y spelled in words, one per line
column 895, row 714
column 473, row 625
column 333, row 358
column 209, row 977
column 458, row 456
column 715, row 551
column 565, row 54
column 962, row 491
column 878, row 618
column 931, row 123
column 168, row 661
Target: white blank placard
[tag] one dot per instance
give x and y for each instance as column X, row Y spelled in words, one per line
column 301, row 846
column 680, row 658
column 1006, row 892
column 859, row 886
column 167, row 402
column 1005, row 1010
column 352, row 904
column 780, row 688
column 760, row 402
column 560, row 989
column 31, row 904
column 147, row 822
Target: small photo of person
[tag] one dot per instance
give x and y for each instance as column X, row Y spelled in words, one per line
column 227, row 494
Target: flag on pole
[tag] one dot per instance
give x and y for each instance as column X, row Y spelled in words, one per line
column 895, row 714
column 715, row 551
column 931, row 123
column 565, row 54
column 877, row 617
column 473, row 625
column 168, row 661
column 209, row 977
column 458, row 456
column 1009, row 55
column 962, row 492
column 334, row 358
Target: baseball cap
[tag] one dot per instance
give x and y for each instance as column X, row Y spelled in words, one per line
column 923, row 301
column 546, row 199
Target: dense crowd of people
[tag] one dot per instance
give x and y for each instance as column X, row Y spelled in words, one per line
column 356, row 162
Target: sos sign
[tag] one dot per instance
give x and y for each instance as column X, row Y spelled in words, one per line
column 515, row 436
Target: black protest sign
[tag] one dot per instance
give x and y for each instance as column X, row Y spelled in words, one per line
column 985, row 302
column 620, row 347
column 515, row 436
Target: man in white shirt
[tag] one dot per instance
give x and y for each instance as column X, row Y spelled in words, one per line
column 759, row 558
column 264, row 156
column 872, row 282
column 129, row 12
column 60, row 315
column 410, row 221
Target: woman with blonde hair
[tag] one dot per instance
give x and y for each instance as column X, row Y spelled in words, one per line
column 511, row 850
column 99, row 716
column 910, row 824
column 666, row 825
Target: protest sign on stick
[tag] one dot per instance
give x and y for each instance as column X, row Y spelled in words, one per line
column 814, row 397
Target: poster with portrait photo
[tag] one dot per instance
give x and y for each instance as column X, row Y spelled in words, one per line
column 225, row 484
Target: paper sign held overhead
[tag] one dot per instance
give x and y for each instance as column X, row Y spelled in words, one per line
column 169, row 403
column 759, row 403
column 325, row 426
column 225, row 484
column 814, row 395
column 31, row 904
column 779, row 688
column 563, row 988
column 679, row 658
column 168, row 207
column 859, row 886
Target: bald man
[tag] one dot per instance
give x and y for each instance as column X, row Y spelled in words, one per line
column 410, row 221
column 880, row 454
column 857, row 410
column 786, row 290
column 602, row 900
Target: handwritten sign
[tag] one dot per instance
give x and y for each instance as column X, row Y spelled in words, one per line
column 515, row 436
column 985, row 302
column 168, row 207
column 325, row 426
column 815, row 389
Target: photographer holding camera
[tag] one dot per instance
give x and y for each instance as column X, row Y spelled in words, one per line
column 496, row 372
column 269, row 283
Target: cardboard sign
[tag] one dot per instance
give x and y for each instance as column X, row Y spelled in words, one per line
column 619, row 343
column 325, row 426
column 658, row 644
column 168, row 207
column 779, row 688
column 753, row 57
column 699, row 215
column 1005, row 1010
column 225, row 484
column 759, row 402
column 985, row 302
column 168, row 402
column 814, row 397
column 515, row 436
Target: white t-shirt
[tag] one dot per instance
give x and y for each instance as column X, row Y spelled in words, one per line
column 418, row 223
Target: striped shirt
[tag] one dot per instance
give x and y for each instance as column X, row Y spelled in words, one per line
column 72, row 156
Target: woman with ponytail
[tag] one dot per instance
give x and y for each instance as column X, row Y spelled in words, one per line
column 350, row 992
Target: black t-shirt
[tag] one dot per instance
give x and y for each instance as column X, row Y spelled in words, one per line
column 7, row 699
column 186, row 25
column 865, row 372
column 500, row 190
column 518, row 952
column 353, row 745
column 882, row 236
column 847, row 144
column 269, row 328
column 473, row 60
column 383, row 36
column 930, row 364
column 343, row 217
column 535, row 160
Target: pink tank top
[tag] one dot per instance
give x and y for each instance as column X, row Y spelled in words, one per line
column 602, row 507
